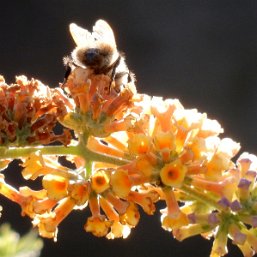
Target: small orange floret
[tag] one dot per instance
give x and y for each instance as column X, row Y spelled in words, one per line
column 100, row 181
column 173, row 174
column 139, row 144
column 56, row 186
column 131, row 216
column 120, row 182
column 79, row 193
column 169, row 222
column 98, row 225
column 164, row 140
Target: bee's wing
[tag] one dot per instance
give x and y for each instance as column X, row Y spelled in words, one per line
column 80, row 36
column 103, row 32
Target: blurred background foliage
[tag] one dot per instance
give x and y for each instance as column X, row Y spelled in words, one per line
column 14, row 245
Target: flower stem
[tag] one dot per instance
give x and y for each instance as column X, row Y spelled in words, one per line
column 201, row 197
column 60, row 150
column 19, row 152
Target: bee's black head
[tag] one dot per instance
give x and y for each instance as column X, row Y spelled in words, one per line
column 97, row 59
column 92, row 57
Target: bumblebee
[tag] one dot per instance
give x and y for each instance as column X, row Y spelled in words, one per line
column 97, row 52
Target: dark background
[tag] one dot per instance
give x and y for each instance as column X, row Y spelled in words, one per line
column 202, row 52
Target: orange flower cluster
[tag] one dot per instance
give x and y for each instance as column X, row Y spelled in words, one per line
column 129, row 151
column 100, row 108
column 28, row 113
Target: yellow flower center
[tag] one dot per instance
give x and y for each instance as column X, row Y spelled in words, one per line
column 100, row 181
column 173, row 174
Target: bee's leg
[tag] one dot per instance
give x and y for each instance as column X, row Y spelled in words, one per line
column 121, row 79
column 68, row 63
column 131, row 77
column 67, row 74
column 114, row 66
column 113, row 74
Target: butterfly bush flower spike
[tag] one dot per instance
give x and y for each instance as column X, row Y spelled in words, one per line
column 119, row 152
